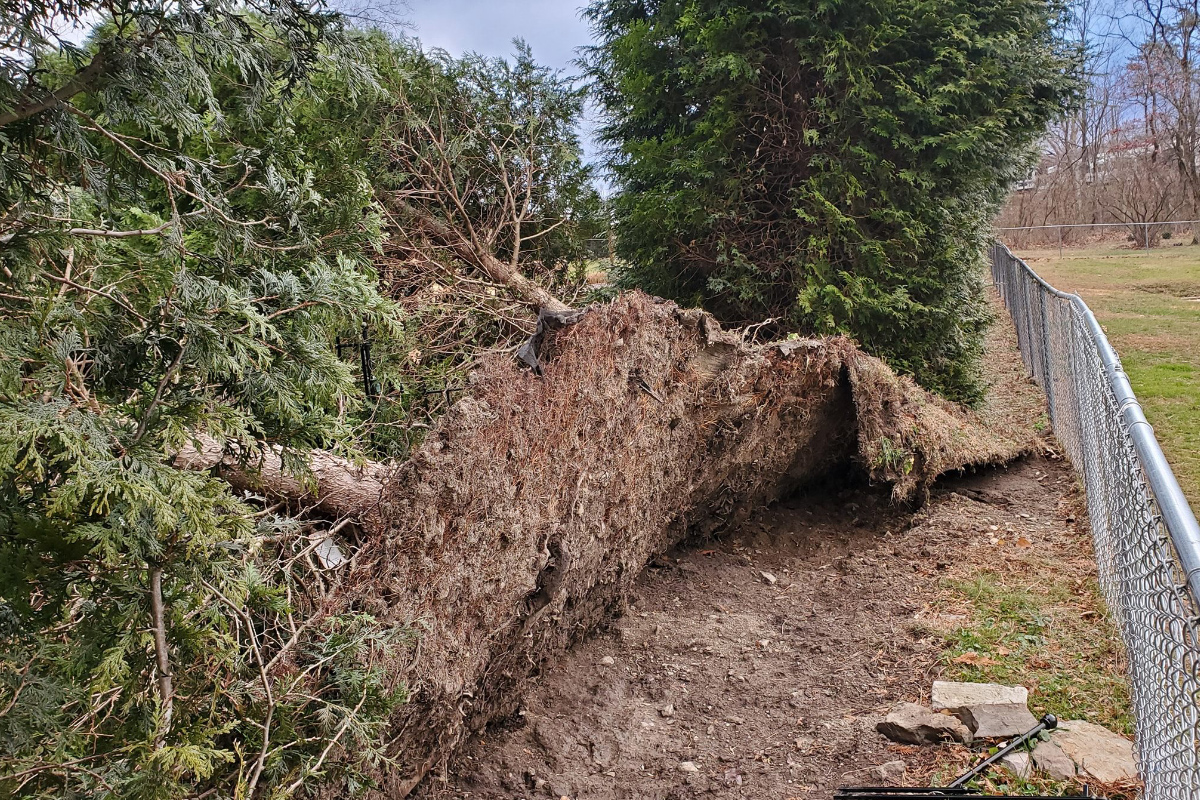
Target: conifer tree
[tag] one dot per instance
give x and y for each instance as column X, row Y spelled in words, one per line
column 176, row 259
column 830, row 166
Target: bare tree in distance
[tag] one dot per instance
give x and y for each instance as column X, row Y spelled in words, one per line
column 1127, row 152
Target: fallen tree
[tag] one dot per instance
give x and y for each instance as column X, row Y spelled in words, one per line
column 535, row 502
column 522, row 521
column 331, row 486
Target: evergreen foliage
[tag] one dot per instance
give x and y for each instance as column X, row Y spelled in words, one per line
column 190, row 215
column 497, row 139
column 176, row 259
column 830, row 165
column 477, row 163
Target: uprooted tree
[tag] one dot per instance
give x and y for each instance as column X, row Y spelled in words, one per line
column 189, row 229
column 174, row 261
column 212, row 581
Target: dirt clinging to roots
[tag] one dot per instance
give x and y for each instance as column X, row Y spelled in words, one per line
column 531, row 509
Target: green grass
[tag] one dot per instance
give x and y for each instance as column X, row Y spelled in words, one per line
column 1036, row 621
column 999, row 781
column 1142, row 301
column 1043, row 637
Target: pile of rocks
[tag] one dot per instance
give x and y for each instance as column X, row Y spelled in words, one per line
column 989, row 713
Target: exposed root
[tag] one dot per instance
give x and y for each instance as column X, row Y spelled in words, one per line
column 529, row 510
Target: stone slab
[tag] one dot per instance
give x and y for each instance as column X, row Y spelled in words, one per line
column 997, row 720
column 953, row 696
column 1018, row 764
column 910, row 723
column 1098, row 753
column 1050, row 759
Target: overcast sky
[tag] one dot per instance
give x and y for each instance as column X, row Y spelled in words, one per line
column 553, row 28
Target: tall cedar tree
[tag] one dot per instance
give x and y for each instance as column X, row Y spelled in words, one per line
column 828, row 164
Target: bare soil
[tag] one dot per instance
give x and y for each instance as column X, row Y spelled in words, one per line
column 771, row 684
column 528, row 514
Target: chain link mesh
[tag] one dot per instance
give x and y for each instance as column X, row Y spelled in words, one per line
column 1140, row 573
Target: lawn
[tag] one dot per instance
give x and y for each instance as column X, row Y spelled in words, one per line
column 1148, row 303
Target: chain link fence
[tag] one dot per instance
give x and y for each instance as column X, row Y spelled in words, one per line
column 1146, row 537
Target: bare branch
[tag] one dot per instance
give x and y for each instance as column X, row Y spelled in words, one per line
column 81, row 81
column 166, row 693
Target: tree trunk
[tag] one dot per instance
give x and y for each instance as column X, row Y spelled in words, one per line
column 337, row 487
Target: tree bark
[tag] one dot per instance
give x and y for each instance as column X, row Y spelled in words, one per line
column 161, row 658
column 81, row 81
column 338, row 487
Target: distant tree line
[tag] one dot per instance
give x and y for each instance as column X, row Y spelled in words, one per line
column 1128, row 152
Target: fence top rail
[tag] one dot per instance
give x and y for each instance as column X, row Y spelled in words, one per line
column 1098, row 225
column 1177, row 515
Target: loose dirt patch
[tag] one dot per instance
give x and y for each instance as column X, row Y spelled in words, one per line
column 770, row 686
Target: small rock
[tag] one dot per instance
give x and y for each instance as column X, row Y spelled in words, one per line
column 604, row 752
column 1050, row 759
column 997, row 720
column 607, row 661
column 768, row 578
column 560, row 788
column 688, row 766
column 953, row 697
column 667, row 711
column 1098, row 753
column 1018, row 764
column 735, row 720
column 910, row 723
column 891, row 772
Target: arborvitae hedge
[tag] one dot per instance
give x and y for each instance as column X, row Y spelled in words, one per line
column 832, row 165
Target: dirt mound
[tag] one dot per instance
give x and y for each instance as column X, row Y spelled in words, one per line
column 724, row 684
column 531, row 509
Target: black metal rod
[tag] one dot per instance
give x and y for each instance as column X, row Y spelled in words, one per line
column 1048, row 723
column 368, row 374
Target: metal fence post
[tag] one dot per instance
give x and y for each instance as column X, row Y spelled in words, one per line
column 1047, row 380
